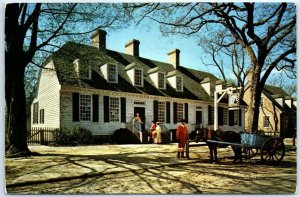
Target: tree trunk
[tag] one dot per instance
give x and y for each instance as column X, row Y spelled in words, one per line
column 255, row 90
column 16, row 104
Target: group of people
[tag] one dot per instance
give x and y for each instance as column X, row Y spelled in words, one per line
column 155, row 133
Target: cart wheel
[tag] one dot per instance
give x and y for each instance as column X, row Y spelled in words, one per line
column 272, row 151
column 249, row 152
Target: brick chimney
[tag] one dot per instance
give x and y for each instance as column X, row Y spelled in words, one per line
column 132, row 48
column 99, row 39
column 173, row 57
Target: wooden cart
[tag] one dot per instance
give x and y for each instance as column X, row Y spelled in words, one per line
column 272, row 149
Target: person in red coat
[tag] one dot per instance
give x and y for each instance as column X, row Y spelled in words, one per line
column 182, row 137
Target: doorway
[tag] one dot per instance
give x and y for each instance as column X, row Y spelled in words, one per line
column 198, row 117
column 141, row 111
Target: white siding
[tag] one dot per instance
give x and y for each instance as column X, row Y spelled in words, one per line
column 108, row 128
column 104, row 71
column 154, row 78
column 48, row 98
column 130, row 74
column 172, row 81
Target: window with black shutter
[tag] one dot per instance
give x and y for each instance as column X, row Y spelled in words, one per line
column 106, row 108
column 35, row 113
column 231, row 117
column 210, row 115
column 240, row 117
column 220, row 115
column 175, row 112
column 186, row 112
column 75, row 107
column 168, row 113
column 155, row 110
column 95, row 108
column 123, row 109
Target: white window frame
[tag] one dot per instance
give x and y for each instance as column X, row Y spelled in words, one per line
column 115, row 75
column 180, row 114
column 164, row 80
column 112, row 118
column 161, row 113
column 181, row 84
column 81, row 117
column 142, row 77
column 266, row 121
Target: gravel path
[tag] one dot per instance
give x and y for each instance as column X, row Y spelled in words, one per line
column 144, row 169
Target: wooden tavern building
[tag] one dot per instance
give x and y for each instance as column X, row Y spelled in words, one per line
column 101, row 90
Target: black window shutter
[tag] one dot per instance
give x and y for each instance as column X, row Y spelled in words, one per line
column 95, row 108
column 240, row 117
column 155, row 110
column 220, row 115
column 231, row 117
column 186, row 112
column 209, row 115
column 174, row 112
column 168, row 113
column 123, row 109
column 106, row 108
column 75, row 106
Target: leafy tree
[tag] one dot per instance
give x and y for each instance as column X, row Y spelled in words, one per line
column 33, row 31
column 266, row 31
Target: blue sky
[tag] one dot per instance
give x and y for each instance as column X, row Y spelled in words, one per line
column 155, row 46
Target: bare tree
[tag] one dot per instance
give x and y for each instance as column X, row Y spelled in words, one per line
column 266, row 31
column 32, row 29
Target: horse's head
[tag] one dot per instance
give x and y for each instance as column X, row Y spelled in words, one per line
column 201, row 134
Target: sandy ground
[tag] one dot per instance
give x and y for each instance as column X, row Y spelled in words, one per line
column 145, row 169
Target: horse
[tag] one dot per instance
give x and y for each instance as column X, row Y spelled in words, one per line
column 218, row 135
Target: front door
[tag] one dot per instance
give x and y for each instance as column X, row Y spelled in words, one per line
column 141, row 111
column 198, row 117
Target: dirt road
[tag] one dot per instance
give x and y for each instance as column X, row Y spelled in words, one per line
column 144, row 169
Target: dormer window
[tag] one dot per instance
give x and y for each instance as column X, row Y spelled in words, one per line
column 82, row 71
column 138, row 77
column 179, row 84
column 161, row 81
column 112, row 73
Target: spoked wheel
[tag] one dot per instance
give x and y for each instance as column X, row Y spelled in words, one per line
column 272, row 151
column 249, row 152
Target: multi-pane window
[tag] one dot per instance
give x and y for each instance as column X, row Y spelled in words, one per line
column 112, row 73
column 138, row 77
column 42, row 116
column 161, row 111
column 178, row 83
column 266, row 121
column 235, row 117
column 85, row 107
column 85, row 71
column 225, row 116
column 179, row 112
column 212, row 115
column 114, row 109
column 161, row 81
column 35, row 113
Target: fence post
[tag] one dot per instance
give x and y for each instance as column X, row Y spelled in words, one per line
column 42, row 139
column 294, row 137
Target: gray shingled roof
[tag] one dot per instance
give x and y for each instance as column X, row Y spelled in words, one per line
column 90, row 56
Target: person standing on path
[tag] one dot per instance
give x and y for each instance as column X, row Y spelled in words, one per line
column 157, row 134
column 137, row 122
column 182, row 137
column 152, row 128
